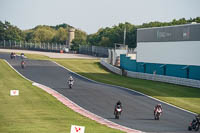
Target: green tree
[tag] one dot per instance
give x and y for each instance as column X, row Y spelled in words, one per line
column 61, row 35
column 105, row 41
column 10, row 32
column 2, row 31
column 43, row 34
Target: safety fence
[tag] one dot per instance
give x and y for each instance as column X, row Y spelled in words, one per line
column 51, row 47
column 93, row 50
column 167, row 79
column 153, row 77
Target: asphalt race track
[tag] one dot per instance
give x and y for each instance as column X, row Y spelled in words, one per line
column 100, row 99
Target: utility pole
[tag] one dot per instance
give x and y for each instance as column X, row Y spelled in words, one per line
column 125, row 35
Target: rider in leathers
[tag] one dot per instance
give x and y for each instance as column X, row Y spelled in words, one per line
column 70, row 80
column 118, row 104
column 157, row 107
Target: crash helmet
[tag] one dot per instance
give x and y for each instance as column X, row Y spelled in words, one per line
column 159, row 105
column 119, row 102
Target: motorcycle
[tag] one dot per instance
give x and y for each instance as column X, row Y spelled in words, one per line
column 22, row 56
column 70, row 83
column 118, row 111
column 157, row 114
column 194, row 125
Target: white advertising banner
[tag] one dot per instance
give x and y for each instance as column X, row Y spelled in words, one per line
column 77, row 129
column 14, row 92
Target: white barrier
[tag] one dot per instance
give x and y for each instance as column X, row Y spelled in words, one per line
column 110, row 67
column 153, row 77
column 167, row 79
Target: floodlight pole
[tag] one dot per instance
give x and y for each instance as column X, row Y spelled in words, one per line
column 124, row 35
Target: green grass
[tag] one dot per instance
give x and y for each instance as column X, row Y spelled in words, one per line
column 37, row 57
column 35, row 111
column 182, row 96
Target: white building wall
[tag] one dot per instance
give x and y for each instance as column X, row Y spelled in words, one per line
column 114, row 53
column 180, row 52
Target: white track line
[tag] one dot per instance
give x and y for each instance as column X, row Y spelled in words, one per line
column 18, row 72
column 127, row 89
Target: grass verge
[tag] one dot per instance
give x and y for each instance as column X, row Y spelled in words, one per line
column 37, row 57
column 35, row 111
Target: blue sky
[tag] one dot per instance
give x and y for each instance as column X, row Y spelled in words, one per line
column 90, row 15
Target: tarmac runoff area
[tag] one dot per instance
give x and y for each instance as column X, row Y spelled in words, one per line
column 99, row 99
column 50, row 54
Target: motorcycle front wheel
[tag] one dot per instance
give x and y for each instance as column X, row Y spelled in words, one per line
column 197, row 127
column 189, row 128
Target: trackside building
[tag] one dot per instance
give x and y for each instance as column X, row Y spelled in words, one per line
column 172, row 51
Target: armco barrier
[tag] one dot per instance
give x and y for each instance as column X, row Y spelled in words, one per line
column 110, row 67
column 153, row 77
column 167, row 79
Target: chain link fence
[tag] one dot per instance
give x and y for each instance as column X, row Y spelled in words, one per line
column 93, row 50
column 50, row 47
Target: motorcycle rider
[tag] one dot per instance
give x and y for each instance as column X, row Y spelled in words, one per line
column 12, row 55
column 118, row 105
column 22, row 56
column 198, row 118
column 70, row 80
column 158, row 106
column 22, row 63
column 195, row 123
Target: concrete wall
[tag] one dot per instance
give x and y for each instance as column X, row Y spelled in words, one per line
column 186, row 32
column 127, row 64
column 114, row 53
column 182, row 53
column 154, row 77
column 167, row 79
column 169, row 45
column 182, row 71
column 104, row 62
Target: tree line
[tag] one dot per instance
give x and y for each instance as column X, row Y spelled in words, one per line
column 105, row 37
column 108, row 36
column 39, row 34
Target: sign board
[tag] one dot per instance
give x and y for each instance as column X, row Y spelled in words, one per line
column 77, row 129
column 14, row 92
